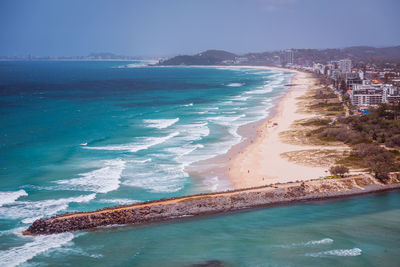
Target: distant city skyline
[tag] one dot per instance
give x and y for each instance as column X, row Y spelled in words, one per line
column 166, row 28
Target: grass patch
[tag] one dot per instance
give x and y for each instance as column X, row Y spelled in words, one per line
column 352, row 161
column 316, row 122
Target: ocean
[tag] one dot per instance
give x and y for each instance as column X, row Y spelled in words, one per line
column 79, row 136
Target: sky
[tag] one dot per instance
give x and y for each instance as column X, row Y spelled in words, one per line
column 172, row 27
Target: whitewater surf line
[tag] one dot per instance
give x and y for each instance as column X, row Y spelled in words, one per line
column 214, row 203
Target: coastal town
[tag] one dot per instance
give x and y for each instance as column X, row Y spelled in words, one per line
column 365, row 85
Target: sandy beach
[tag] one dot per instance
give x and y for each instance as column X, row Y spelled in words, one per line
column 257, row 160
column 261, row 162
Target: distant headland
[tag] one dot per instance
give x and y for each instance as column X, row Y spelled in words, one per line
column 267, row 58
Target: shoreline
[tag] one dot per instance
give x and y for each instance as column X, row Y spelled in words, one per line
column 214, row 203
column 260, row 162
column 219, row 166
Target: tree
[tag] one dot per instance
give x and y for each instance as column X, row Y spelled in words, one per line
column 382, row 110
column 380, row 164
column 340, row 170
column 374, row 136
column 343, row 87
column 396, row 110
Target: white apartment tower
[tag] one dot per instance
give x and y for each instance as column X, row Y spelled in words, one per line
column 289, row 56
column 345, row 65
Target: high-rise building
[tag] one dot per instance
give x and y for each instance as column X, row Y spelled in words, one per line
column 345, row 65
column 289, row 56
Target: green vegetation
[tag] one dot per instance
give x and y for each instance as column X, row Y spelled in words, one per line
column 209, row 57
column 370, row 136
column 379, row 126
column 340, row 170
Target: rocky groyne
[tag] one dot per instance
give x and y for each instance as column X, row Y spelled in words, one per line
column 214, row 203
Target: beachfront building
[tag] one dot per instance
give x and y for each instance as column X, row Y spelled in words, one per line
column 289, row 57
column 318, row 68
column 367, row 94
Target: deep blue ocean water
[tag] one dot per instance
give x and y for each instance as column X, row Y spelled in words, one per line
column 84, row 135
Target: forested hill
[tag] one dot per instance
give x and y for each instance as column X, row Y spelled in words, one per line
column 209, row 57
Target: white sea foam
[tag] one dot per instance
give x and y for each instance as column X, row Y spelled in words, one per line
column 276, row 81
column 261, row 72
column 337, row 252
column 133, row 66
column 83, row 144
column 261, row 90
column 142, row 143
column 194, row 131
column 188, row 105
column 233, row 132
column 230, row 68
column 182, row 153
column 157, row 178
column 70, row 249
column 160, row 123
column 11, row 196
column 119, row 201
column 101, row 180
column 235, row 84
column 29, row 211
column 15, row 231
column 225, row 120
column 183, row 150
column 144, row 63
column 212, row 183
column 319, row 242
column 240, row 98
column 324, row 241
column 18, row 255
column 226, row 103
column 141, row 161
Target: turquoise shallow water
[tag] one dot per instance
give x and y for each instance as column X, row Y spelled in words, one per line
column 84, row 135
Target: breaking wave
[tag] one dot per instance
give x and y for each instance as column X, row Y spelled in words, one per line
column 309, row 243
column 337, row 252
column 101, row 180
column 18, row 255
column 161, row 123
column 11, row 196
column 29, row 211
column 142, row 143
column 235, row 84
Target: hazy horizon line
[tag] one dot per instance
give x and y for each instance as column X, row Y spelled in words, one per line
column 192, row 53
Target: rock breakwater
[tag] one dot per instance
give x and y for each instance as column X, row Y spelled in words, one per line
column 167, row 209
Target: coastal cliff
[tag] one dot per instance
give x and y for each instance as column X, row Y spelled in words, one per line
column 167, row 209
